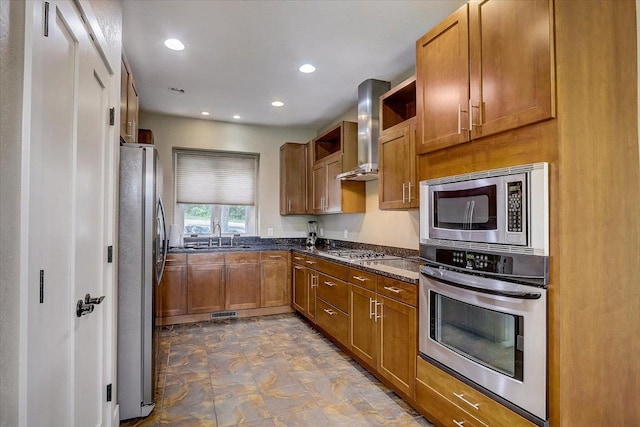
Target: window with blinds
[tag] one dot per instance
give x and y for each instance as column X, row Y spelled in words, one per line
column 216, row 187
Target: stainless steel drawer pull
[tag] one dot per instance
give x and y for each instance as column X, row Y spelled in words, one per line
column 371, row 301
column 329, row 311
column 275, row 256
column 392, row 289
column 329, row 284
column 310, row 262
column 458, row 423
column 297, row 267
column 461, row 397
column 297, row 258
column 362, row 279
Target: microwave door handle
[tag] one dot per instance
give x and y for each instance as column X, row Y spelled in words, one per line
column 472, row 205
column 463, row 283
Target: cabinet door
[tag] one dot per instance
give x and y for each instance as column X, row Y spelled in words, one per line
column 242, row 286
column 205, row 288
column 276, row 283
column 363, row 336
column 293, row 179
column 319, row 178
column 171, row 295
column 393, row 149
column 300, row 289
column 333, row 202
column 442, row 84
column 397, row 335
column 511, row 64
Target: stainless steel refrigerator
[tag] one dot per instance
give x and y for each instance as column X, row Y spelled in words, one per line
column 142, row 254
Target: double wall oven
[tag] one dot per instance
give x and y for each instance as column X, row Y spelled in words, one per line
column 483, row 288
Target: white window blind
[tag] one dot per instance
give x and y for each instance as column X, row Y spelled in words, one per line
column 214, row 177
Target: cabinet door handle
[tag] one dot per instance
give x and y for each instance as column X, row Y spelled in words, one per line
column 460, row 111
column 361, row 279
column 458, row 423
column 480, row 114
column 330, row 284
column 377, row 304
column 329, row 311
column 297, row 258
column 314, row 281
column 392, row 289
column 289, row 206
column 409, row 192
column 297, row 267
column 371, row 307
column 461, row 397
column 403, row 196
column 275, row 256
column 310, row 262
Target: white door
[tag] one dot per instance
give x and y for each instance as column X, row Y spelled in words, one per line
column 67, row 250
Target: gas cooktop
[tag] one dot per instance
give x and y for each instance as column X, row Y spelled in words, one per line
column 357, row 254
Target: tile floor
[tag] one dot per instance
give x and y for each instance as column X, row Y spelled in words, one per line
column 266, row 371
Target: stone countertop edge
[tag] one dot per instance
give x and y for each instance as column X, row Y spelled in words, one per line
column 297, row 248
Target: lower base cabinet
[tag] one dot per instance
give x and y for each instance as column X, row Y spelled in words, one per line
column 449, row 402
column 171, row 295
column 304, row 287
column 276, row 278
column 334, row 321
column 205, row 283
column 243, row 280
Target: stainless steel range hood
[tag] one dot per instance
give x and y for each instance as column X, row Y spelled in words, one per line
column 369, row 93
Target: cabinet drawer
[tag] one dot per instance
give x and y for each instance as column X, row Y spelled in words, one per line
column 282, row 256
column 333, row 269
column 441, row 410
column 333, row 291
column 176, row 259
column 488, row 410
column 204, row 258
column 397, row 290
column 232, row 257
column 298, row 258
column 363, row 279
column 311, row 262
column 332, row 320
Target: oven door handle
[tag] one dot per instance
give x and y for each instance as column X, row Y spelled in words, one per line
column 462, row 282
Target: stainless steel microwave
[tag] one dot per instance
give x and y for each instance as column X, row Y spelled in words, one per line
column 505, row 210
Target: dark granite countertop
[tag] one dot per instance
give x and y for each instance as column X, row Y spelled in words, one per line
column 406, row 268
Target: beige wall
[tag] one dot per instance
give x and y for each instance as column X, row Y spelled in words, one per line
column 172, row 131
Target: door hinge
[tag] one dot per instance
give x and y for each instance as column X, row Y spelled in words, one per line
column 112, row 116
column 110, row 254
column 109, row 393
column 41, row 286
column 46, row 19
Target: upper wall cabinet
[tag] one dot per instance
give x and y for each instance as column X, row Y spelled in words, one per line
column 334, row 152
column 293, row 178
column 128, row 104
column 486, row 69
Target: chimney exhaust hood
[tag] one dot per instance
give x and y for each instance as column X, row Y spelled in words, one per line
column 369, row 93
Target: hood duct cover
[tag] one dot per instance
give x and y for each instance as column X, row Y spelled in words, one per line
column 369, row 93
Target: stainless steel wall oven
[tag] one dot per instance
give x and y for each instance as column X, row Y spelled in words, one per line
column 483, row 309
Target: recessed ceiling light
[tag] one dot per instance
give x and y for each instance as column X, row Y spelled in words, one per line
column 307, row 68
column 235, row 116
column 205, row 113
column 174, row 44
column 277, row 103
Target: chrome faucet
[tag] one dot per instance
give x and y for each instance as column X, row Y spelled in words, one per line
column 217, row 224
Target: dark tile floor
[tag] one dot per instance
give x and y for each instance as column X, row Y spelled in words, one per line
column 266, row 371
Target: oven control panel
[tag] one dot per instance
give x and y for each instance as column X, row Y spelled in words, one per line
column 514, row 203
column 477, row 261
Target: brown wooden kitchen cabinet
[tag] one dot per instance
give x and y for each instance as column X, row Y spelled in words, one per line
column 293, row 178
column 398, row 184
column 495, row 59
column 128, row 104
column 397, row 177
column 205, row 283
column 171, row 295
column 364, row 334
column 304, row 286
column 276, row 278
column 445, row 398
column 334, row 152
column 243, row 276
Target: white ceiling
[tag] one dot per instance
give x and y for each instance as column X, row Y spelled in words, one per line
column 242, row 55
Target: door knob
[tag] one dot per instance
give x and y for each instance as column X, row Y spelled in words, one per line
column 83, row 309
column 88, row 300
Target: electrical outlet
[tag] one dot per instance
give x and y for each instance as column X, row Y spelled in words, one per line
column 269, row 231
column 346, row 234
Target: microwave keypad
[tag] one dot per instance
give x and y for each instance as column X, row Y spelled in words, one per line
column 514, row 202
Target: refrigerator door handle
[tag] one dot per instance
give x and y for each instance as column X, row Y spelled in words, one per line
column 165, row 243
